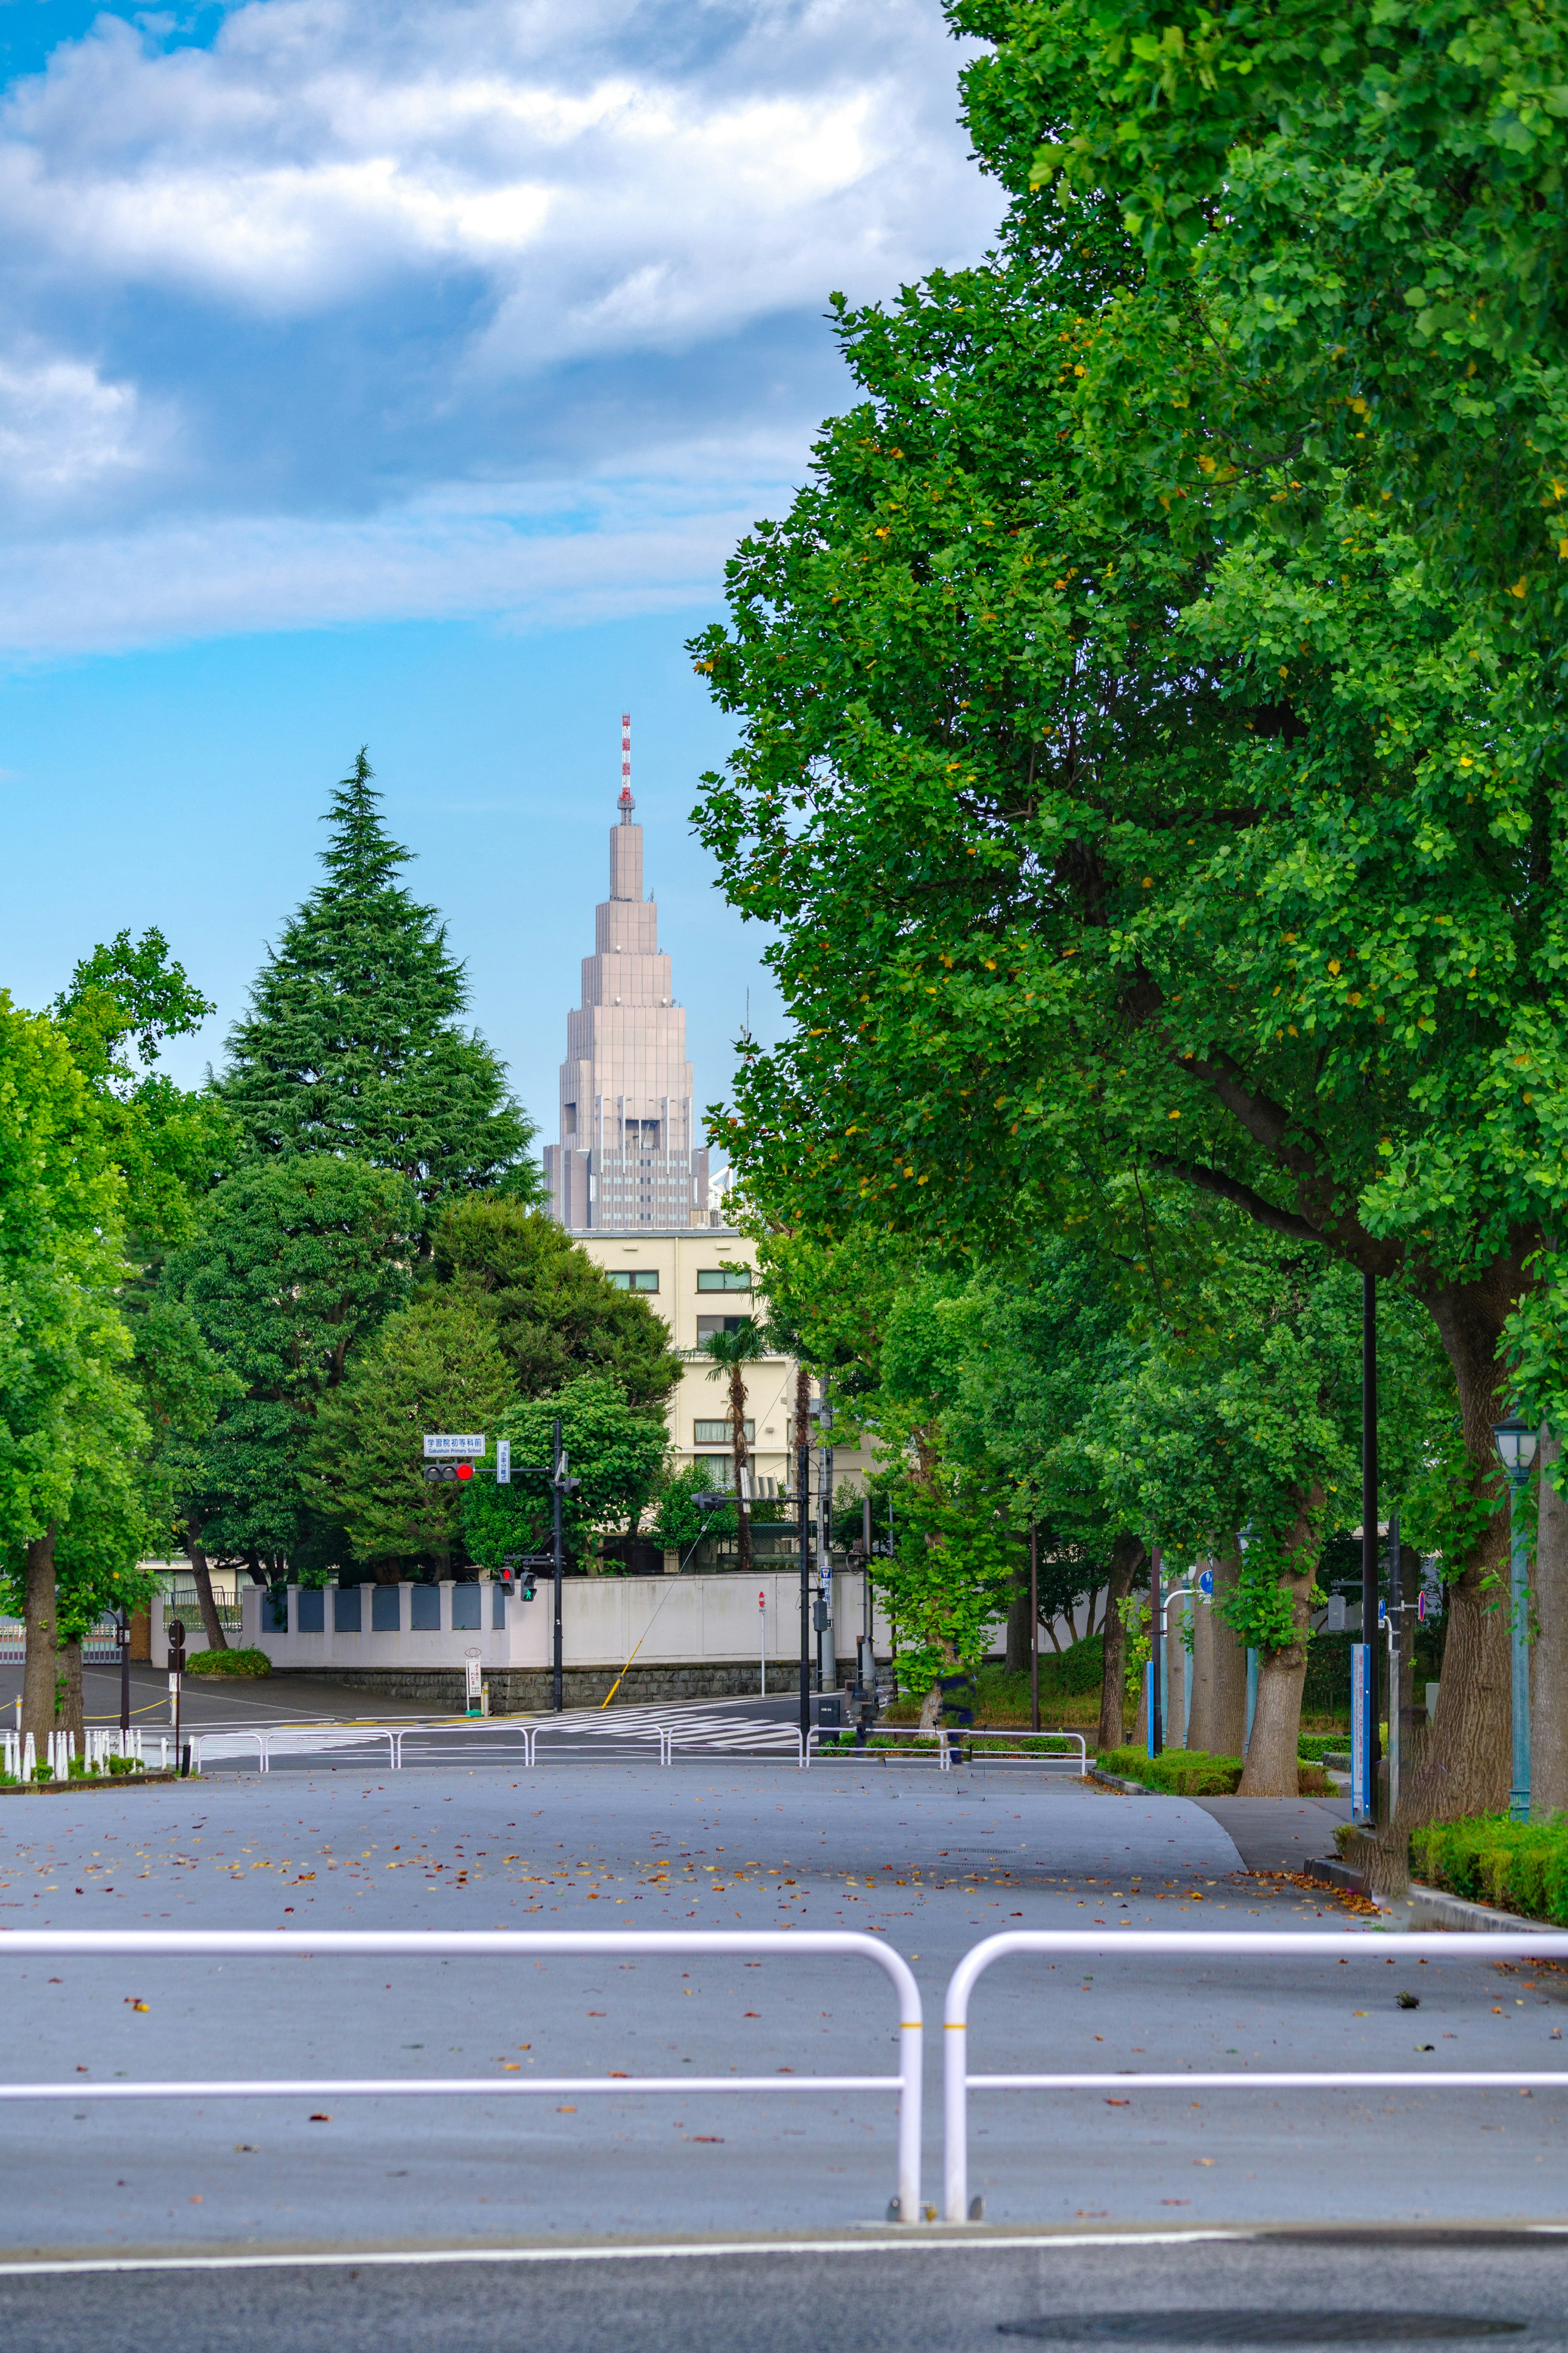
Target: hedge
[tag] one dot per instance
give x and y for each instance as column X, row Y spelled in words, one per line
column 1520, row 1866
column 229, row 1662
column 1191, row 1773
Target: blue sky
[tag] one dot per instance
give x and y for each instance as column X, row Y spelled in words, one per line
column 399, row 374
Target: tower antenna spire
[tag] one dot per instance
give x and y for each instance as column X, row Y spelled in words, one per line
column 626, row 803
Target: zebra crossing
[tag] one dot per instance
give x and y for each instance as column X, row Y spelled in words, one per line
column 685, row 1724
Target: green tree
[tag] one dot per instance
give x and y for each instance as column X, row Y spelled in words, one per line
column 615, row 1449
column 433, row 1366
column 680, row 1521
column 731, row 1352
column 556, row 1313
column 69, row 1431
column 298, row 1262
column 1149, row 707
column 352, row 1042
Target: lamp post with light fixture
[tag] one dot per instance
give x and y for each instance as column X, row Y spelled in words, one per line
column 1516, row 1441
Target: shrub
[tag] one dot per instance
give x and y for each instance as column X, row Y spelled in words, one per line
column 229, row 1662
column 1190, row 1773
column 1520, row 1866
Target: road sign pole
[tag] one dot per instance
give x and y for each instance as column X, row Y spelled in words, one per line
column 557, row 1481
column 125, row 1671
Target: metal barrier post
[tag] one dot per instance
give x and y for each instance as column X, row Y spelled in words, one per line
column 95, row 1944
column 1334, row 1945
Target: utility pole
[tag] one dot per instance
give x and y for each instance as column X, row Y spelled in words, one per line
column 558, row 1480
column 826, row 1664
column 803, row 1507
column 125, row 1670
column 1156, row 1645
column 1034, row 1626
column 1367, row 1797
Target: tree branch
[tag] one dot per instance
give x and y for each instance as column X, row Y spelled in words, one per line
column 1214, row 1180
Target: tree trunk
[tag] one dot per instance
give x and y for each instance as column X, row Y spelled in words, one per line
column 69, row 1716
column 737, row 1430
column 1465, row 1768
column 1127, row 1556
column 39, row 1693
column 1200, row 1722
column 1270, row 1771
column 217, row 1640
column 1018, row 1650
column 1465, row 1763
column 1176, row 1671
column 1227, row 1666
column 1549, row 1656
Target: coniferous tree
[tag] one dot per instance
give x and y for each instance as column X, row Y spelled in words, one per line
column 354, row 1042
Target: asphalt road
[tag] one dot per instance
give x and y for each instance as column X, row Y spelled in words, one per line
column 872, row 2296
column 929, row 1862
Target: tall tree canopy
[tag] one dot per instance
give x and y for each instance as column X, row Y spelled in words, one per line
column 1152, row 707
column 354, row 1042
column 297, row 1264
column 557, row 1313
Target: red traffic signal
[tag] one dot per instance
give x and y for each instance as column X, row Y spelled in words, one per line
column 465, row 1469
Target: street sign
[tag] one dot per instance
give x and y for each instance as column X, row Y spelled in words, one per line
column 446, row 1445
column 1205, row 1585
column 503, row 1462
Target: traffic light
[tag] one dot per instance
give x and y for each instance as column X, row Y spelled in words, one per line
column 528, row 1588
column 441, row 1474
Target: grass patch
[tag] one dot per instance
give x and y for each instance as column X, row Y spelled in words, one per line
column 1070, row 1695
column 1518, row 1867
column 229, row 1662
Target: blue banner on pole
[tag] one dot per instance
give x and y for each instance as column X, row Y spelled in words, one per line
column 1361, row 1741
column 1149, row 1709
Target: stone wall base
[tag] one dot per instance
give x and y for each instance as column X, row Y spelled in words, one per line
column 527, row 1691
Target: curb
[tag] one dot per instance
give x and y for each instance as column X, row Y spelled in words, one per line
column 88, row 1781
column 1423, row 1907
column 1115, row 1781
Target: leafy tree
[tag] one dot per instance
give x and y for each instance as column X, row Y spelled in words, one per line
column 615, row 1448
column 679, row 1523
column 556, row 1313
column 731, row 1352
column 1149, row 706
column 69, row 1432
column 433, row 1365
column 353, row 1044
column 123, row 1002
column 298, row 1262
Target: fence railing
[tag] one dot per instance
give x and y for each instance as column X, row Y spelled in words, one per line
column 100, row 1644
column 904, row 2085
column 1446, row 1945
column 947, row 1743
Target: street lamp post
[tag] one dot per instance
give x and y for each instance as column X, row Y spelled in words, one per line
column 1515, row 1441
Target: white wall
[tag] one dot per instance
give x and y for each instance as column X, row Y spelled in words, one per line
column 666, row 1621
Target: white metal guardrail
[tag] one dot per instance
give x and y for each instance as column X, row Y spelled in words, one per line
column 1442, row 1945
column 945, row 1740
column 527, row 1943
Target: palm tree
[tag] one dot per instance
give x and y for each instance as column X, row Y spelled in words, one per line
column 731, row 1352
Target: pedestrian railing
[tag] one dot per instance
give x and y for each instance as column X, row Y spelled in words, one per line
column 1199, row 1943
column 944, row 1745
column 531, row 1944
column 267, row 1741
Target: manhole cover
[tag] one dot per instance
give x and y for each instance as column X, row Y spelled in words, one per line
column 1260, row 2329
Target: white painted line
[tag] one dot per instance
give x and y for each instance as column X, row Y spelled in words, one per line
column 908, row 2241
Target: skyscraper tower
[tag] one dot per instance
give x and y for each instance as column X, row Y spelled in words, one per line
column 629, row 1155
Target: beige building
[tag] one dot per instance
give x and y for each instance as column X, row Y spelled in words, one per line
column 699, row 1280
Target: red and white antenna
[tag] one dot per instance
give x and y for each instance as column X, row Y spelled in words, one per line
column 626, row 803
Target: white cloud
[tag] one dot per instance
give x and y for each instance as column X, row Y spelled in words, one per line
column 282, row 299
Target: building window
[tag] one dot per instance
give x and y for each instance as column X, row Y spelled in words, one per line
column 634, row 1278
column 719, row 1470
column 707, row 1325
column 717, row 1433
column 723, row 1278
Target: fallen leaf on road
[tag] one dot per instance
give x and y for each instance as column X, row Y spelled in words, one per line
column 320, row 2118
